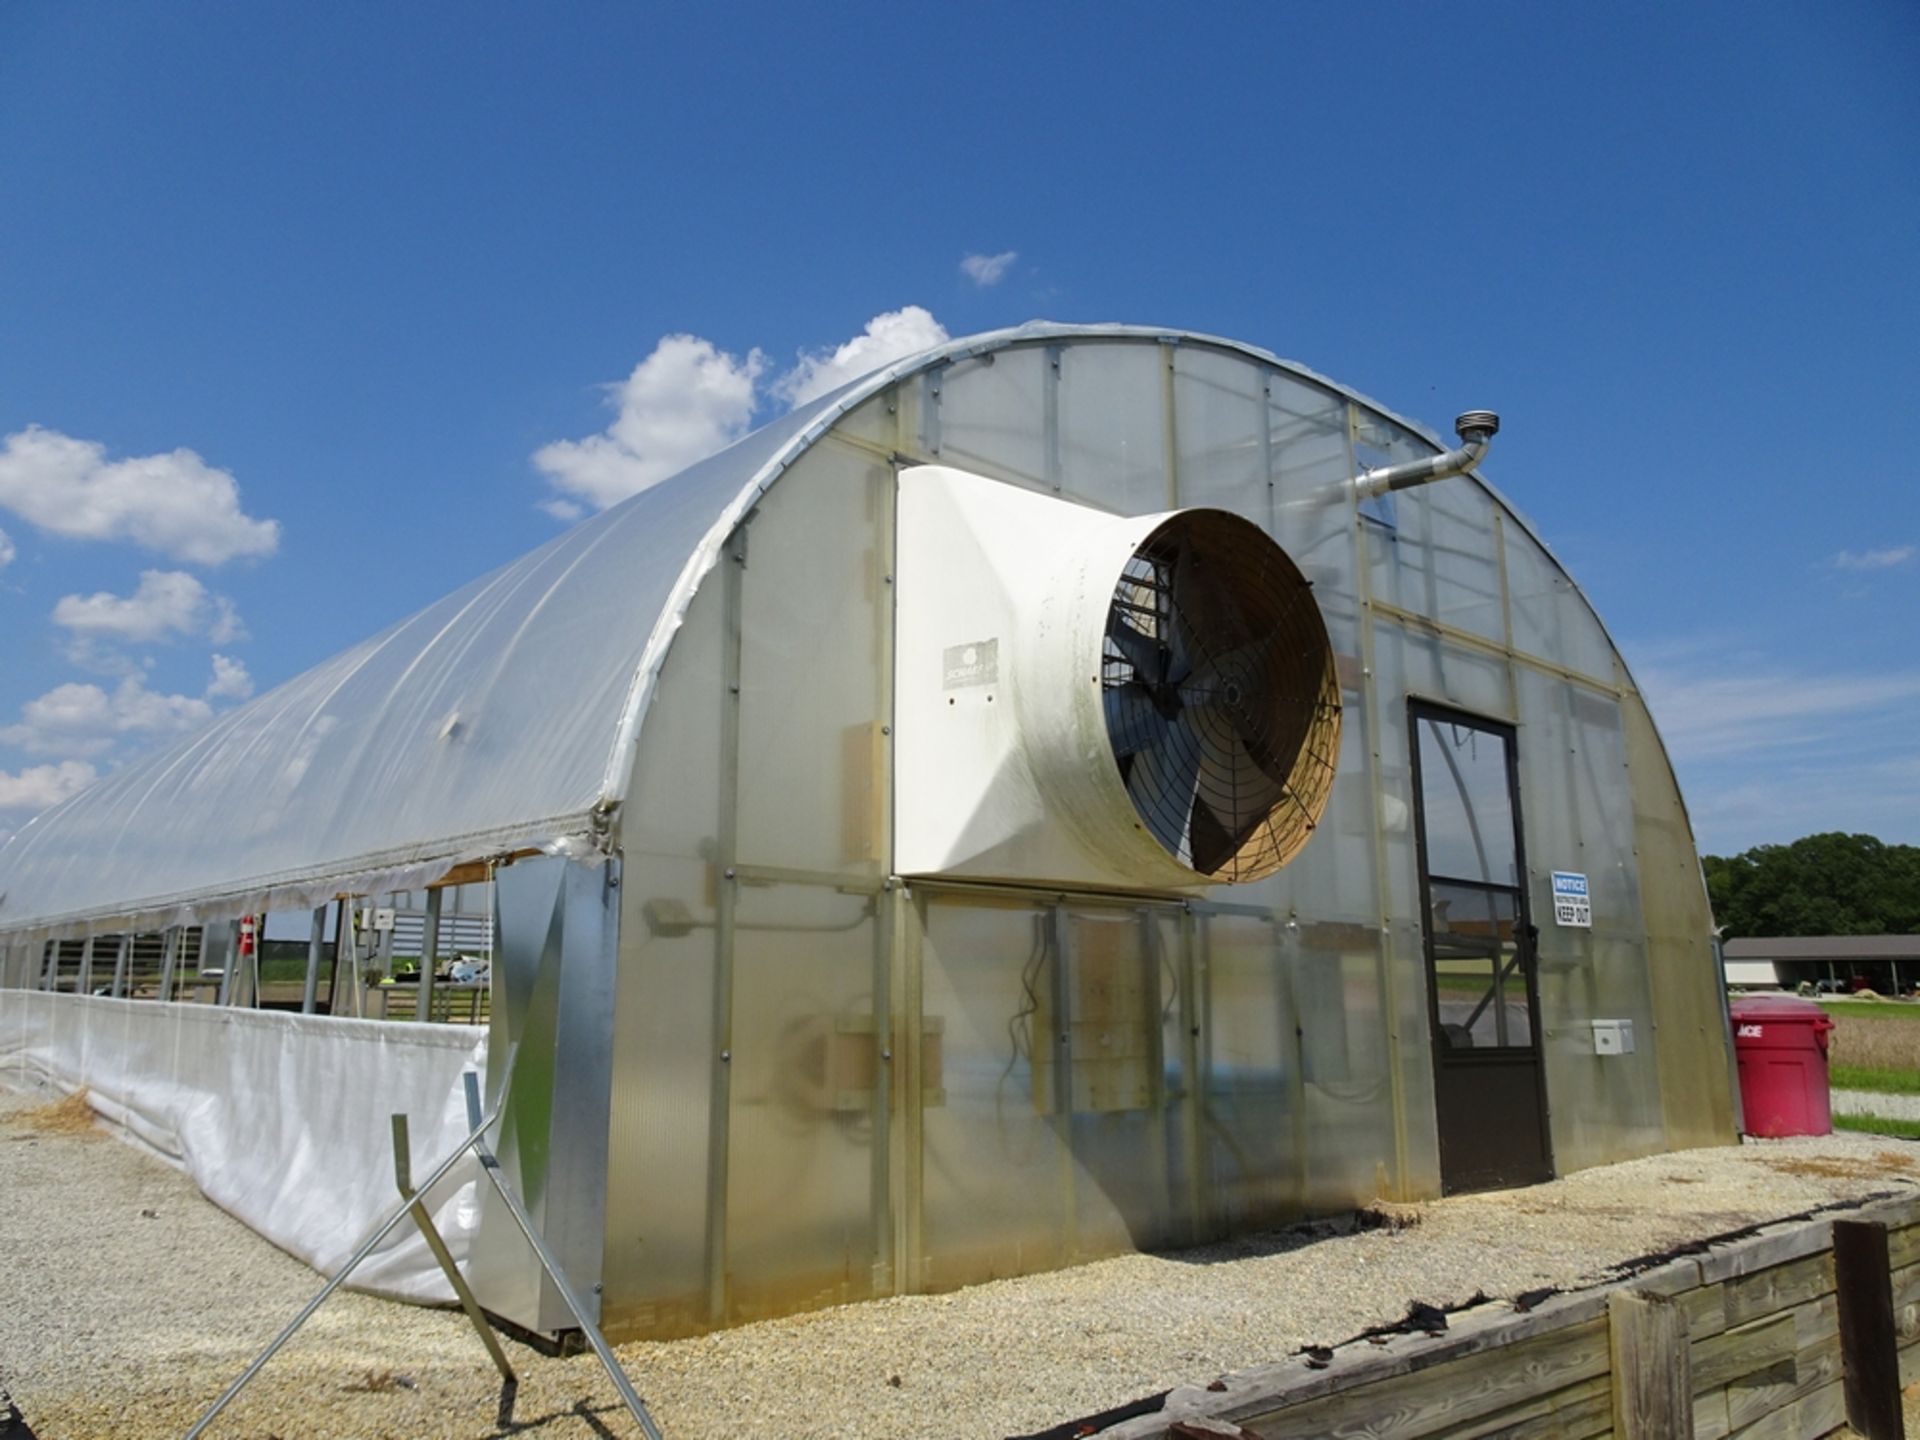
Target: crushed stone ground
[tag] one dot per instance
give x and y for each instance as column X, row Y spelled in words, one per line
column 128, row 1301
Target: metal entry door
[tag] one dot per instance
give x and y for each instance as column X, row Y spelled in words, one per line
column 1482, row 993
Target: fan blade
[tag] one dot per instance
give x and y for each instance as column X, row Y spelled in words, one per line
column 1141, row 650
column 1134, row 722
column 1204, row 599
column 1255, row 717
column 1162, row 778
column 1174, row 620
column 1233, row 793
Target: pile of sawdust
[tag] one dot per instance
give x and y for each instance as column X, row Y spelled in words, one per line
column 71, row 1116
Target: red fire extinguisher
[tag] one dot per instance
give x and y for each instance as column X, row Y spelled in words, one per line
column 246, row 937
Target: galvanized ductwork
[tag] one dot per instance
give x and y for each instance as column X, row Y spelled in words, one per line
column 1476, row 429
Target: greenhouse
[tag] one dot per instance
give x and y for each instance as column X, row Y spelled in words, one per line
column 1078, row 789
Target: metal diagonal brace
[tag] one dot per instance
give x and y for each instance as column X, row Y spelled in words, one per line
column 490, row 1167
column 403, row 1180
column 476, row 1127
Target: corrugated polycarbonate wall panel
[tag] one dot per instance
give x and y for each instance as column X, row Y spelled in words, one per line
column 1688, row 998
column 664, row 1050
column 1576, row 807
column 813, row 668
column 996, row 1168
column 805, row 1131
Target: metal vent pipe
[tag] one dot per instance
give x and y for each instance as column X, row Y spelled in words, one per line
column 1476, row 429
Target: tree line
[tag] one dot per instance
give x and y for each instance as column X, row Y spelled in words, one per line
column 1832, row 884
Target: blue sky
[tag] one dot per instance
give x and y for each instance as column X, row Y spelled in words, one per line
column 309, row 314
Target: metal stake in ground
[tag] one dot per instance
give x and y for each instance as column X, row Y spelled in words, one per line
column 403, row 1179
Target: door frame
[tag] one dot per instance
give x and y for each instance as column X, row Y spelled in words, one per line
column 1529, row 936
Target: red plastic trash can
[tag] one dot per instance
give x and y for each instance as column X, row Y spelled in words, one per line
column 1781, row 1046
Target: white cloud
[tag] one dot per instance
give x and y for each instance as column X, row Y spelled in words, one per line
column 36, row 787
column 888, row 337
column 167, row 603
column 683, row 402
column 690, row 398
column 1706, row 715
column 985, row 270
column 230, row 680
column 1767, row 752
column 84, row 720
column 1875, row 559
column 7, row 552
column 174, row 503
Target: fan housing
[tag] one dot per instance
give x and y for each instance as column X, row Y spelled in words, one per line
column 1115, row 702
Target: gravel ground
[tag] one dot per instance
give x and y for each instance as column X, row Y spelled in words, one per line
column 127, row 1301
column 1874, row 1102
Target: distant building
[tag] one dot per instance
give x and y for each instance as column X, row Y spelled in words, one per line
column 1888, row 964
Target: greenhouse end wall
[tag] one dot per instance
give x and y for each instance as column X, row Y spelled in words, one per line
column 832, row 1082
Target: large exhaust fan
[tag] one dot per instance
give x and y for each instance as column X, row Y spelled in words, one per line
column 1136, row 703
column 1220, row 698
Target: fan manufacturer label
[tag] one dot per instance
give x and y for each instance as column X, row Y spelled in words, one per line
column 975, row 663
column 1572, row 904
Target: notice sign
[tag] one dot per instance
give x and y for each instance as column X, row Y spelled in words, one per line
column 1572, row 905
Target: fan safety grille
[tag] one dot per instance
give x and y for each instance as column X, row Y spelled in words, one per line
column 1222, row 701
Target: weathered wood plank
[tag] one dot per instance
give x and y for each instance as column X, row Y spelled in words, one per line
column 1779, row 1288
column 1652, row 1380
column 1710, row 1415
column 1706, row 1310
column 1757, row 1345
column 1763, row 1251
column 1909, row 1365
column 1752, row 1397
column 1820, row 1412
column 1869, row 1354
column 1416, row 1404
column 1291, row 1382
column 1574, row 1413
column 1903, row 1246
column 1906, row 1303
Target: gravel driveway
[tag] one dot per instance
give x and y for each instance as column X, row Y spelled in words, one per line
column 127, row 1301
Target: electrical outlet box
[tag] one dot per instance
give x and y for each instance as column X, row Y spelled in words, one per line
column 1613, row 1037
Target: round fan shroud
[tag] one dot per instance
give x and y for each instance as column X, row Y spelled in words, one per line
column 1221, row 697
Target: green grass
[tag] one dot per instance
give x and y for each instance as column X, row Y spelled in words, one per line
column 1871, row 1009
column 1876, row 1125
column 1873, row 1077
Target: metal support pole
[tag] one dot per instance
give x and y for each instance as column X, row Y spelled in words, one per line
column 340, row 941
column 50, row 979
column 429, row 955
column 491, row 1168
column 84, row 986
column 403, row 1180
column 120, row 953
column 229, row 962
column 170, row 943
column 316, row 944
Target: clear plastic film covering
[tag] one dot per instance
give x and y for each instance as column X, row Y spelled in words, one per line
column 491, row 718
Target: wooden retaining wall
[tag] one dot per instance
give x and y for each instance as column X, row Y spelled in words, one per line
column 1743, row 1340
